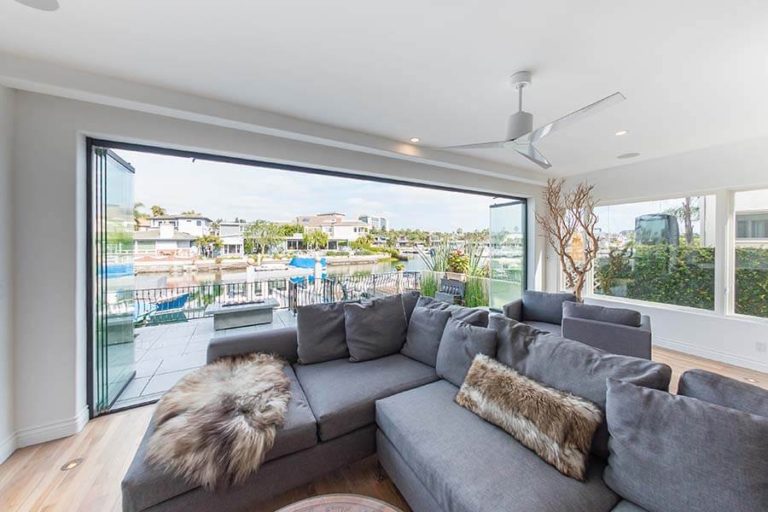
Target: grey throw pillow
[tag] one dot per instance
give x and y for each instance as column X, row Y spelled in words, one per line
column 472, row 316
column 720, row 390
column 573, row 367
column 375, row 329
column 671, row 453
column 320, row 333
column 424, row 332
column 409, row 303
column 460, row 343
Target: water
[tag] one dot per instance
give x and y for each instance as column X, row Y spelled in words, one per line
column 167, row 280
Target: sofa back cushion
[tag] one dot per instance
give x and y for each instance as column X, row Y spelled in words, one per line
column 472, row 316
column 376, row 328
column 720, row 390
column 678, row 453
column 459, row 345
column 320, row 333
column 545, row 306
column 621, row 316
column 573, row 367
column 424, row 333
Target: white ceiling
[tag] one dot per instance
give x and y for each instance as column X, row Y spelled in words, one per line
column 695, row 72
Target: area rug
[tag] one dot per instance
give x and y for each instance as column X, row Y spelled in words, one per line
column 214, row 427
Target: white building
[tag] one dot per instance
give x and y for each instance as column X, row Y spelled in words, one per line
column 340, row 231
column 231, row 234
column 195, row 225
column 375, row 222
column 164, row 241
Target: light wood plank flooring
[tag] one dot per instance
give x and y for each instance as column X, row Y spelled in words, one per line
column 30, row 480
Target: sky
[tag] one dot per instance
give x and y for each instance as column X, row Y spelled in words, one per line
column 225, row 191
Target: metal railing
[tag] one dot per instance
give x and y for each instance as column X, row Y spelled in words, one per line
column 181, row 303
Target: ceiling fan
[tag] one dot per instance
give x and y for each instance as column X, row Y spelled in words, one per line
column 520, row 133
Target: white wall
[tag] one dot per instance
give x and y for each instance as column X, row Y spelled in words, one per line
column 7, row 438
column 49, row 237
column 717, row 170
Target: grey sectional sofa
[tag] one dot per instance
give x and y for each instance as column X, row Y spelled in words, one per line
column 441, row 456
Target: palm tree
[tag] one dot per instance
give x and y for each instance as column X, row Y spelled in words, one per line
column 316, row 239
column 138, row 214
column 158, row 211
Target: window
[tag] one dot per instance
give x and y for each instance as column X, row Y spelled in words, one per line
column 658, row 251
column 199, row 223
column 751, row 253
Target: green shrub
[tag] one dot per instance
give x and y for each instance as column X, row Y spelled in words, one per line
column 458, row 262
column 429, row 283
column 752, row 282
column 476, row 292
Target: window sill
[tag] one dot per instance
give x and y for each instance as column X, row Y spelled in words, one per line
column 679, row 309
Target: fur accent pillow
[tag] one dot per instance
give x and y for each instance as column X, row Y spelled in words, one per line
column 557, row 426
column 214, row 427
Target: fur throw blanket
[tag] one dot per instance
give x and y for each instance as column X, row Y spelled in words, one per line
column 214, row 427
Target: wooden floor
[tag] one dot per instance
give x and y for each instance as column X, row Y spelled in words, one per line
column 31, row 481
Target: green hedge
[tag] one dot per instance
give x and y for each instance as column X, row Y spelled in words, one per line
column 683, row 276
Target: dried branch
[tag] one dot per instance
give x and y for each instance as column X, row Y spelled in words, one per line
column 571, row 216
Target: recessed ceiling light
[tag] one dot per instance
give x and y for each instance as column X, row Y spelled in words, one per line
column 415, row 140
column 621, row 132
column 71, row 464
column 42, row 5
column 628, row 155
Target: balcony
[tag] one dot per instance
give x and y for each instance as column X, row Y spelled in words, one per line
column 172, row 328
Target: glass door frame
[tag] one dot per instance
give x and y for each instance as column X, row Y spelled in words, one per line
column 526, row 236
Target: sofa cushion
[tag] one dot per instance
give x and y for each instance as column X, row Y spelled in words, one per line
column 149, row 485
column 320, row 333
column 460, row 343
column 469, row 465
column 673, row 452
column 621, row 316
column 342, row 394
column 473, row 316
column 545, row 327
column 720, row 390
column 627, row 506
column 574, row 367
column 424, row 332
column 545, row 306
column 409, row 303
column 376, row 328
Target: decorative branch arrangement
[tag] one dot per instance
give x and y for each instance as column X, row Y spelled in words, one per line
column 569, row 224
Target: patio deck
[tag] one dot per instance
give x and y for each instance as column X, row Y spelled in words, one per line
column 165, row 353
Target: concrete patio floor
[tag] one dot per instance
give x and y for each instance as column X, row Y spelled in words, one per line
column 163, row 354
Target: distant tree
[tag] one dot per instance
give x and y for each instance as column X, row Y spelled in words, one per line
column 290, row 229
column 316, row 239
column 190, row 212
column 208, row 245
column 138, row 214
column 158, row 211
column 688, row 212
column 261, row 236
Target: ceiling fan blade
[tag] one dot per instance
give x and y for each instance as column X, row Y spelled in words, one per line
column 567, row 120
column 532, row 154
column 480, row 145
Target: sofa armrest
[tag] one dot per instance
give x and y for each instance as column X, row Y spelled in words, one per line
column 282, row 342
column 514, row 310
column 613, row 338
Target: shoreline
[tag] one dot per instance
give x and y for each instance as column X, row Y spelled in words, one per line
column 193, row 266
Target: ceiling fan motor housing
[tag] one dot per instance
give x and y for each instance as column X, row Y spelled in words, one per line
column 520, row 123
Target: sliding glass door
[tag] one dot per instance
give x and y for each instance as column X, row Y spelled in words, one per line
column 507, row 252
column 112, row 347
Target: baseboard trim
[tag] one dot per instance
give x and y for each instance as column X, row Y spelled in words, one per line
column 52, row 431
column 716, row 355
column 7, row 447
